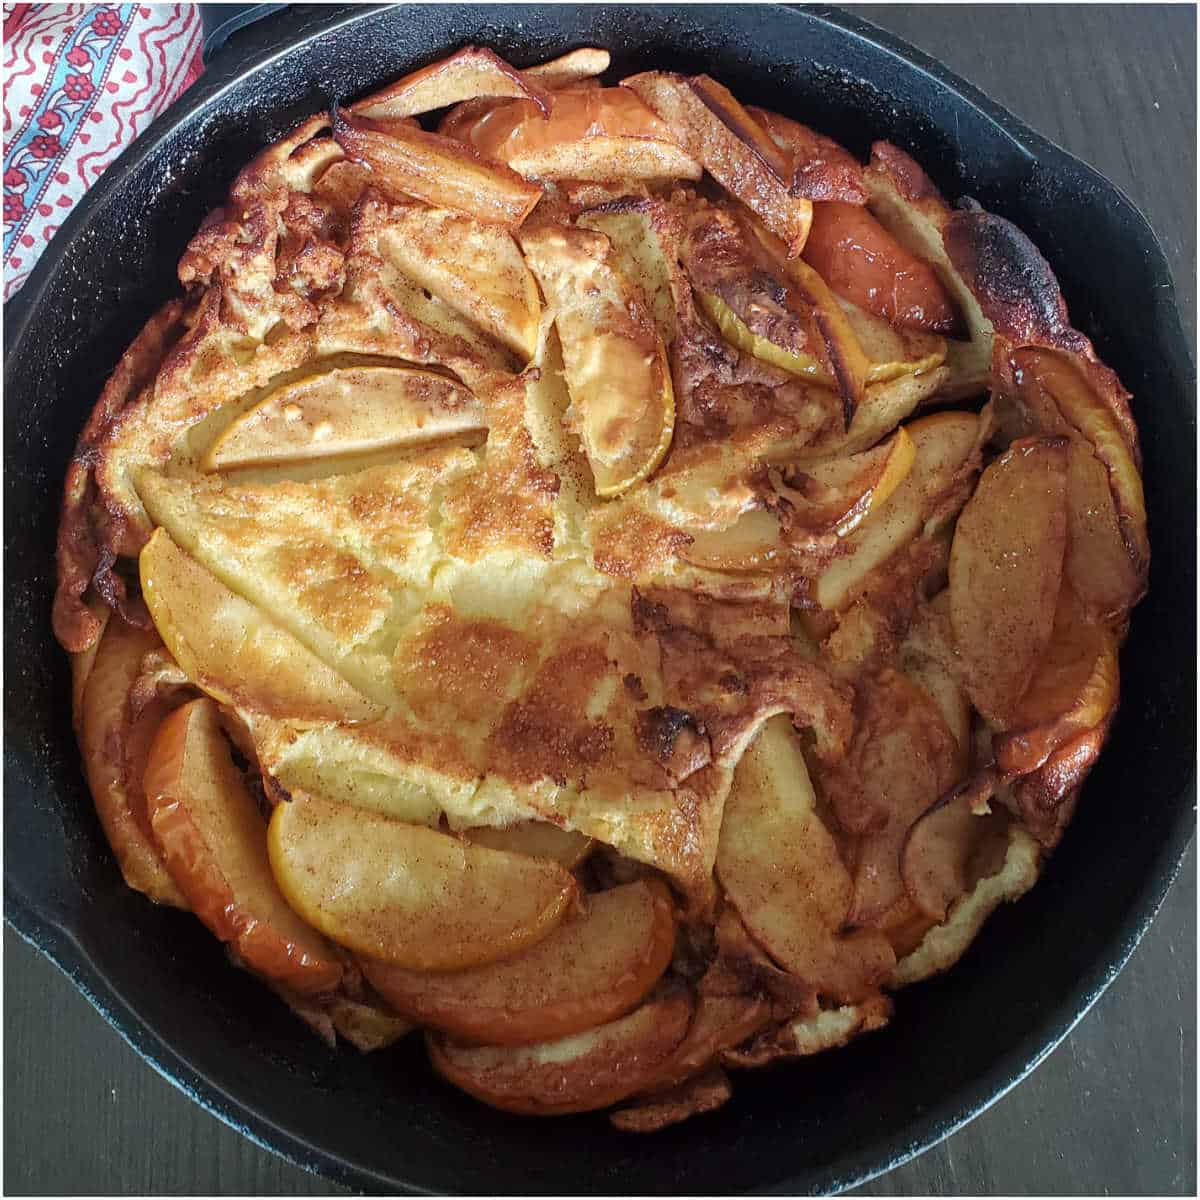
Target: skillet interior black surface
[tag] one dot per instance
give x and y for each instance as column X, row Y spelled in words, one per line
column 383, row 1121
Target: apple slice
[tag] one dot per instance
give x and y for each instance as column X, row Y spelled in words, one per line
column 645, row 236
column 438, row 170
column 1044, row 801
column 580, row 1073
column 1074, row 688
column 826, row 497
column 893, row 352
column 941, row 685
column 214, row 841
column 883, row 407
column 229, row 649
column 476, row 269
column 901, row 760
column 775, row 309
column 752, row 543
column 1005, row 570
column 114, row 743
column 944, row 445
column 728, row 145
column 615, row 364
column 469, row 73
column 536, row 839
column 781, row 869
column 364, row 1024
column 821, row 169
column 592, row 969
column 863, row 263
column 705, row 1091
column 593, row 134
column 935, row 860
column 910, row 208
column 1045, row 375
column 348, row 410
column 719, row 1024
column 576, row 66
column 1099, row 566
column 839, row 493
column 726, row 107
column 408, row 895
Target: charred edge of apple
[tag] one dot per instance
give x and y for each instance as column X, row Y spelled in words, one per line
column 706, row 91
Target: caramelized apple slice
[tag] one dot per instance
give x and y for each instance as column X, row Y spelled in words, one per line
column 728, row 149
column 780, row 867
column 114, row 742
column 1045, row 800
column 821, row 169
column 776, row 309
column 580, row 1073
column 214, row 841
column 909, row 207
column 576, row 66
column 862, row 262
column 883, row 407
column 1044, row 375
column 943, row 446
column 407, row 895
column 1074, row 688
column 537, row 839
column 476, row 269
column 229, row 649
column 826, row 497
column 941, row 685
column 615, row 363
column 893, row 352
column 1005, row 569
column 349, row 410
column 644, row 235
column 594, row 134
column 936, row 857
column 593, row 968
column 720, row 1023
column 1098, row 564
column 438, row 170
column 471, row 72
column 725, row 106
column 901, row 760
column 703, row 1091
column 839, row 493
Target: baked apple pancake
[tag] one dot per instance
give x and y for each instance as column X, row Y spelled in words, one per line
column 598, row 575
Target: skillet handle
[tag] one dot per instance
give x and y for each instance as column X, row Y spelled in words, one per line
column 221, row 21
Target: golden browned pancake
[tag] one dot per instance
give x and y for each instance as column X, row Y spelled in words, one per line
column 514, row 477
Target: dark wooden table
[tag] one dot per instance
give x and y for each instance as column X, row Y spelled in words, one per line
column 1114, row 1109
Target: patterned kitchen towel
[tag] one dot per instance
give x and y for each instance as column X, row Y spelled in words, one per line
column 81, row 81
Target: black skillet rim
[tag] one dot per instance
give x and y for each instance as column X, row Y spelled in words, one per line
column 933, row 1125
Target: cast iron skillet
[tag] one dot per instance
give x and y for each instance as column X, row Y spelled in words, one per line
column 383, row 1121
